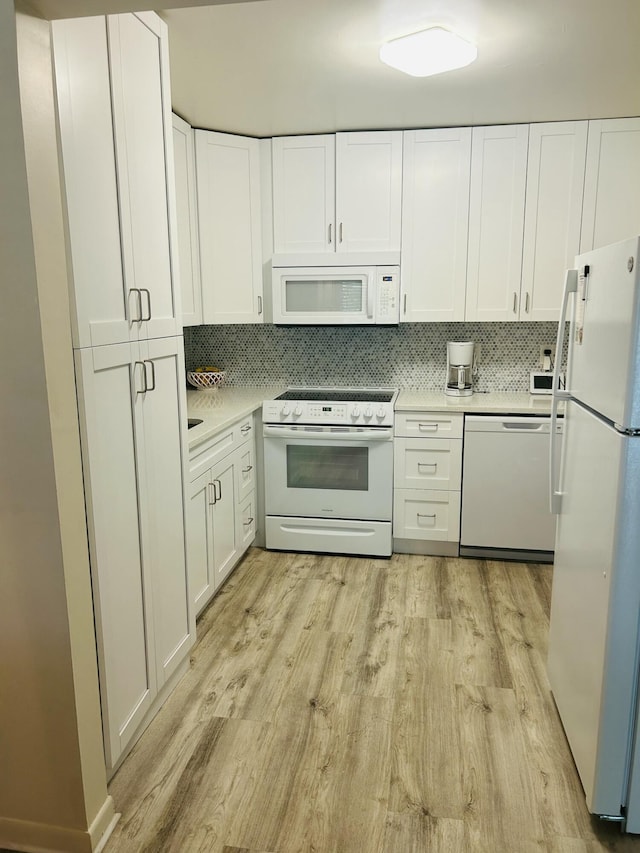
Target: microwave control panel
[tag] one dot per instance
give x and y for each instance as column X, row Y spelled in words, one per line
column 387, row 295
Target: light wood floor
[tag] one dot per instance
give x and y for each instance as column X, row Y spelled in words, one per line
column 347, row 705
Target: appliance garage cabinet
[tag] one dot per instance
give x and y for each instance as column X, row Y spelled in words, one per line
column 427, row 482
column 113, row 98
column 184, row 158
column 222, row 514
column 337, row 194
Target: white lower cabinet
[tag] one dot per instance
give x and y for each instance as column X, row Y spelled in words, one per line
column 131, row 405
column 427, row 482
column 221, row 519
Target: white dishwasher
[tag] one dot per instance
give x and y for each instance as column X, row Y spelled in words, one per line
column 505, row 488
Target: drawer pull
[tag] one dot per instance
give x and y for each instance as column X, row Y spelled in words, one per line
column 248, row 522
column 245, row 429
column 426, row 515
column 213, row 494
column 428, row 427
column 432, row 465
column 247, row 469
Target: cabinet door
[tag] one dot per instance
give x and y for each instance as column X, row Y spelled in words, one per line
column 228, row 181
column 142, row 123
column 496, row 221
column 226, row 548
column 304, row 194
column 103, row 312
column 109, row 379
column 612, row 183
column 368, row 191
column 164, row 545
column 200, row 541
column 187, row 222
column 553, row 214
column 435, row 218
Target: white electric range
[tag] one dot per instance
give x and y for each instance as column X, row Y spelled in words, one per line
column 328, row 456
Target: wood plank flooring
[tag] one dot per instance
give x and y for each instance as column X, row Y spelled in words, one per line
column 351, row 705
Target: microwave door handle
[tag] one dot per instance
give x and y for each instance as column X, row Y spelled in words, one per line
column 369, row 287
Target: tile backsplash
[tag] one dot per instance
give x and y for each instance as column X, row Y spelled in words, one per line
column 411, row 355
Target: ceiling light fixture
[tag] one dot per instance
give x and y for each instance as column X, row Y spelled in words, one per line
column 428, row 52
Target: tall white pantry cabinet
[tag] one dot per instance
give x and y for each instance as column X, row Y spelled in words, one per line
column 115, row 129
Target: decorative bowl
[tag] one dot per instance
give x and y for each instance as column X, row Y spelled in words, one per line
column 206, row 379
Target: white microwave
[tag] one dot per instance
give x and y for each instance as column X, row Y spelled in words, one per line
column 336, row 295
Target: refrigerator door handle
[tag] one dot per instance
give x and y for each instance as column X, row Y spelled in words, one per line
column 555, row 495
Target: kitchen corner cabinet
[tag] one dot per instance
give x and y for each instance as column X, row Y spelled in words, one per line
column 112, row 79
column 553, row 214
column 184, row 157
column 337, row 193
column 229, row 227
column 221, row 517
column 496, row 222
column 435, row 213
column 427, row 482
column 612, row 183
column 131, row 398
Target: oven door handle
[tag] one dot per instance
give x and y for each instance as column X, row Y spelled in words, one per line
column 324, row 434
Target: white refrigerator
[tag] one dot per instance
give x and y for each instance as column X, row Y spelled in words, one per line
column 594, row 641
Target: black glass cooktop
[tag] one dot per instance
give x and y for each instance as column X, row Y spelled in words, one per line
column 337, row 395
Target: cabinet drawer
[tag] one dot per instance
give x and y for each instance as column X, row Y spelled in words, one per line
column 426, row 514
column 247, row 521
column 246, row 469
column 427, row 463
column 429, row 424
column 212, row 451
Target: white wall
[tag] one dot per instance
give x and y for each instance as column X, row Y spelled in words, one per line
column 52, row 781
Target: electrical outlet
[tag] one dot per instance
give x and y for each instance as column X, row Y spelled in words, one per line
column 552, row 348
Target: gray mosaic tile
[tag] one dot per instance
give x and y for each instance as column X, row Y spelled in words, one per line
column 411, row 355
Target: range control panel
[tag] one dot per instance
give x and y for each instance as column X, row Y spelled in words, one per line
column 327, row 412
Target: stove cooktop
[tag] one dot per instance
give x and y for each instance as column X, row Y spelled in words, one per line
column 337, row 395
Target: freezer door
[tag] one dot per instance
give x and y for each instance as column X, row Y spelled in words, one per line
column 604, row 368
column 595, row 604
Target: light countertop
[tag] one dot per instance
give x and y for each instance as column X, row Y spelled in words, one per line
column 491, row 403
column 221, row 407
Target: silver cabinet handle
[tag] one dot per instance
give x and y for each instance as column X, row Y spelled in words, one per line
column 259, row 305
column 515, row 302
column 330, row 232
column 145, row 290
column 219, row 485
column 144, row 376
column 431, row 516
column 151, row 387
column 428, row 427
column 138, row 293
column 212, row 494
column 340, row 232
column 432, row 465
column 247, row 469
column 248, row 522
column 405, row 304
column 526, row 303
column 245, row 429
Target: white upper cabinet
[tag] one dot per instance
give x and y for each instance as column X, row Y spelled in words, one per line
column 303, row 194
column 337, row 194
column 612, row 183
column 112, row 79
column 496, row 221
column 229, row 227
column 553, row 214
column 435, row 213
column 187, row 222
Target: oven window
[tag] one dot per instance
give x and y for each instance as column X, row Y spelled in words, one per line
column 317, row 467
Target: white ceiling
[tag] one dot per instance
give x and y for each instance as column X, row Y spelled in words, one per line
column 308, row 66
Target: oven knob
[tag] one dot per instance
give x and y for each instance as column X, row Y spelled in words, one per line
column 355, row 412
column 368, row 413
column 285, row 411
column 380, row 413
column 297, row 411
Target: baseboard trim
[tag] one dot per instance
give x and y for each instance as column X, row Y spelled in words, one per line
column 30, row 837
column 513, row 555
column 426, row 547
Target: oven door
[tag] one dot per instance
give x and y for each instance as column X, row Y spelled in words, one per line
column 329, row 472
